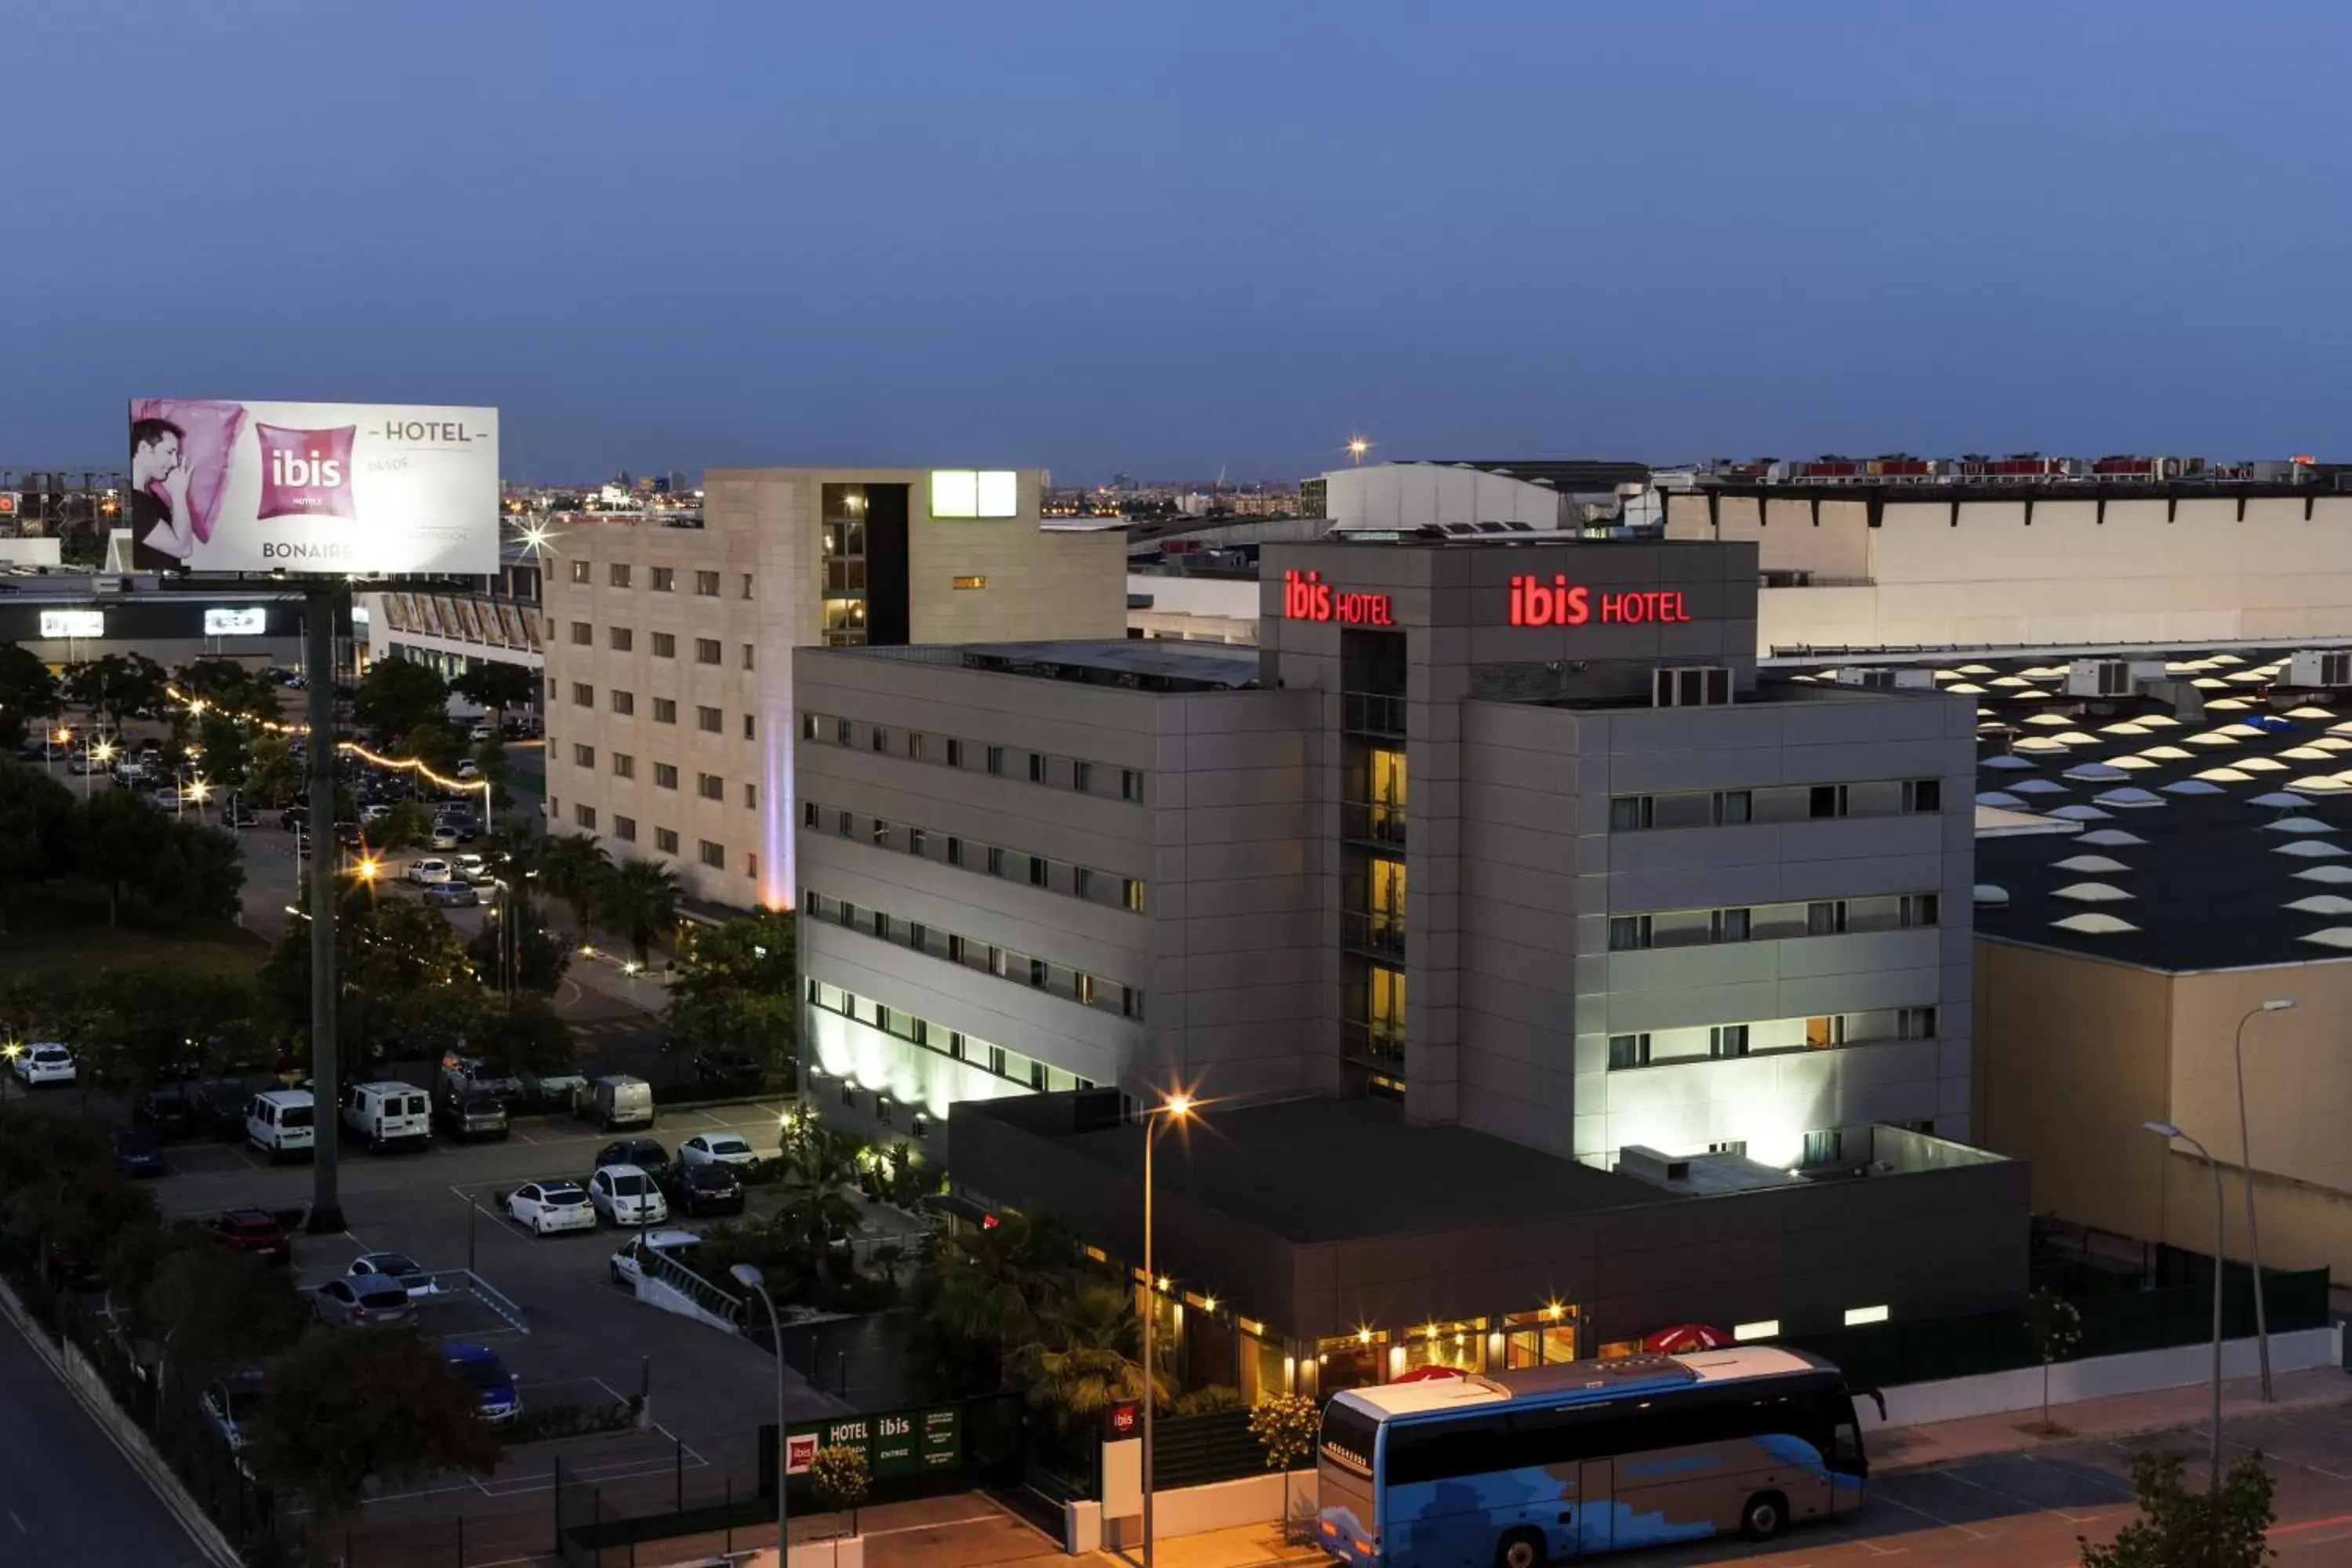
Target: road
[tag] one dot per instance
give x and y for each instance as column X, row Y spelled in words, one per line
column 67, row 1497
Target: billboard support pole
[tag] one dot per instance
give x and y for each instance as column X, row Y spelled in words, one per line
column 320, row 603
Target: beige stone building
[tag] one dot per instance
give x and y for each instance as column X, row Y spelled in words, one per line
column 669, row 705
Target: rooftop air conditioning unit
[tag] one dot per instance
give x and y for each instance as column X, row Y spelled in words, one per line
column 1884, row 678
column 1704, row 685
column 2320, row 668
column 2110, row 676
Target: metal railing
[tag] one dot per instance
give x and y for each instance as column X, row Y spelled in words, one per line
column 1377, row 933
column 1366, row 714
column 1372, row 822
column 1376, row 1046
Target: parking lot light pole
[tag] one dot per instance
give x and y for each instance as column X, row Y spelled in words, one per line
column 749, row 1276
column 1175, row 1108
column 2246, row 1173
column 2167, row 1130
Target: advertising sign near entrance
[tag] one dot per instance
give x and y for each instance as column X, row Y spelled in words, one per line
column 1559, row 603
column 895, row 1442
column 1307, row 597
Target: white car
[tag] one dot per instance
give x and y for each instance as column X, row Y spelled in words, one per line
column 626, row 1196
column 45, row 1062
column 551, row 1206
column 478, row 733
column 676, row 1244
column 469, row 868
column 716, row 1149
column 470, row 769
column 398, row 1267
column 432, row 873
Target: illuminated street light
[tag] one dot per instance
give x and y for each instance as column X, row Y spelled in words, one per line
column 1175, row 1108
column 367, row 869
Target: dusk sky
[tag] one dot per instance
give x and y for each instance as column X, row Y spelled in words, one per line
column 1173, row 238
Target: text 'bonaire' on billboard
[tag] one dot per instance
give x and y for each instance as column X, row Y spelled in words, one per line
column 328, row 488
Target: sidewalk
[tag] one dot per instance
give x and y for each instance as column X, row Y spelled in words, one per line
column 1243, row 1546
column 2122, row 1415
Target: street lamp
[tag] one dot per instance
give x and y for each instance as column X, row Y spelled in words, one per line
column 11, row 1049
column 748, row 1275
column 2246, row 1167
column 2168, row 1130
column 367, row 869
column 1177, row 1107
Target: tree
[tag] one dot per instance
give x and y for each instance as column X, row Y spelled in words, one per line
column 221, row 1310
column 28, row 694
column 2225, row 1527
column 438, row 746
column 497, row 687
column 981, row 1294
column 640, row 897
column 490, row 764
column 117, row 840
column 535, row 961
column 839, row 1477
column 343, row 1408
column 573, row 865
column 144, row 1028
column 198, row 872
column 408, row 824
column 36, row 831
column 273, row 774
column 78, row 1215
column 2057, row 1329
column 821, row 1172
column 1085, row 1360
column 527, row 1035
column 738, row 990
column 1287, row 1426
column 397, row 697
column 227, row 753
column 116, row 684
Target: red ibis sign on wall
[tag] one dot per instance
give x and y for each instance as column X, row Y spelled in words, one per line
column 1307, row 597
column 1559, row 603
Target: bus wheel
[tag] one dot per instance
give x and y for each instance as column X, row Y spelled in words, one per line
column 1520, row 1549
column 1766, row 1516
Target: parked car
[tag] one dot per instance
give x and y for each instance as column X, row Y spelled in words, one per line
column 431, row 872
column 236, row 814
column 137, row 1152
column 169, row 1111
column 254, row 1232
column 622, row 1101
column 704, row 1189
column 678, row 1244
column 281, row 1122
column 487, row 1376
column 555, row 1087
column 716, row 1149
column 626, row 1196
column 443, row 836
column 364, row 1304
column 550, row 1206
column 645, row 1153
column 729, row 1071
column 294, row 816
column 229, row 1405
column 478, row 733
column 394, row 1268
column 469, row 769
column 166, row 798
column 389, row 1114
column 473, row 1116
column 220, row 1105
column 374, row 813
column 470, row 866
column 45, row 1063
column 452, row 895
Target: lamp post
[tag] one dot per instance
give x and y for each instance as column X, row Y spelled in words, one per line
column 2167, row 1130
column 2246, row 1168
column 1175, row 1108
column 749, row 1276
column 12, row 1051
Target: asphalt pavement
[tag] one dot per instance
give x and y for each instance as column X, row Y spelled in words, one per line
column 67, row 1497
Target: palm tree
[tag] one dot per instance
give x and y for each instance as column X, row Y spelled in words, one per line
column 574, row 868
column 640, row 897
column 822, row 1174
column 1085, row 1360
column 984, row 1293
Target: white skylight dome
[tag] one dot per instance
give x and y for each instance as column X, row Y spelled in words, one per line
column 2305, row 754
column 2125, row 727
column 2224, row 658
column 2261, row 764
column 1990, row 897
column 2133, row 764
column 2279, row 799
column 2309, row 712
column 2298, row 824
column 2093, row 773
column 2168, row 753
column 2228, row 705
column 2323, row 904
column 2074, row 738
column 2225, row 776
column 1976, row 670
column 2038, row 787
column 2196, row 786
column 2059, row 721
column 2244, row 730
column 2130, row 798
column 2319, row 784
column 2210, row 682
column 2010, row 680
column 2082, row 813
column 2006, row 761
column 2001, row 797
column 1966, row 688
column 2091, row 923
column 2089, row 863
column 2310, row 849
column 2094, row 893
column 2334, row 936
column 2326, row 876
column 2110, row 837
column 2158, row 721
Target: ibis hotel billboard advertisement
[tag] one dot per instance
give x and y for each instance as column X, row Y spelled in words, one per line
column 330, row 487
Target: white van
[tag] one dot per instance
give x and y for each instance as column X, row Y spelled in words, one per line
column 281, row 1122
column 623, row 1101
column 389, row 1114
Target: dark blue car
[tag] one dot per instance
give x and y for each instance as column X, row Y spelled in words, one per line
column 487, row 1376
column 137, row 1152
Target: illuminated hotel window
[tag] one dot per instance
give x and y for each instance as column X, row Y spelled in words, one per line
column 972, row 582
column 1540, row 1338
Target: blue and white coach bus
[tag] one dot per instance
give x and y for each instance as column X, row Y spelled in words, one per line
column 1522, row 1467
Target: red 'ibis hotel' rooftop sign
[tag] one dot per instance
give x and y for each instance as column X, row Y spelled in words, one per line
column 1534, row 603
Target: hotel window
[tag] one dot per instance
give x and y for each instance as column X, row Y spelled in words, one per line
column 1130, row 1003
column 747, row 585
column 878, row 739
column 1914, row 1022
column 996, row 760
column 583, row 694
column 666, row 840
column 586, row 816
column 1546, row 1337
column 1628, row 934
column 664, row 644
column 996, row 861
column 1038, row 865
column 1131, row 785
column 1920, row 909
column 1131, row 895
column 580, row 572
column 1082, row 882
column 582, row 634
column 1827, row 800
column 1629, row 1050
column 706, row 585
column 625, row 829
column 664, row 775
column 1037, row 973
column 881, row 834
column 706, row 650
column 584, row 756
column 808, row 814
column 710, row 721
column 751, row 797
column 1036, row 767
column 1824, row 1148
column 841, row 732
column 846, row 824
column 914, row 841
column 710, row 786
column 918, row 936
column 1733, row 807
column 620, row 639
column 665, row 710
column 1923, row 794
column 624, row 702
column 1082, row 777
column 751, row 728
column 1729, row 1146
column 665, row 578
column 956, row 953
column 955, row 753
column 955, row 850
column 1728, row 1041
column 1086, row 989
column 714, row 855
column 625, row 766
column 1826, row 918
column 618, row 574
column 1729, row 925
column 968, row 583
column 1628, row 813
column 1824, row 1031
column 747, row 655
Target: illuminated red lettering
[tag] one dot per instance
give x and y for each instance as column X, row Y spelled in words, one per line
column 1307, row 597
column 1561, row 602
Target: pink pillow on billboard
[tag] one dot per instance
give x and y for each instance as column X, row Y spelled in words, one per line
column 209, row 431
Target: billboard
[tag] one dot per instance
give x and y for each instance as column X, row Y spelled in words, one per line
column 329, row 488
column 252, row 621
column 58, row 624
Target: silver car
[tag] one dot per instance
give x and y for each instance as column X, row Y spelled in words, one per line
column 364, row 1304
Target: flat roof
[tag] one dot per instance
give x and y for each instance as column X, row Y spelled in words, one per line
column 1164, row 664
